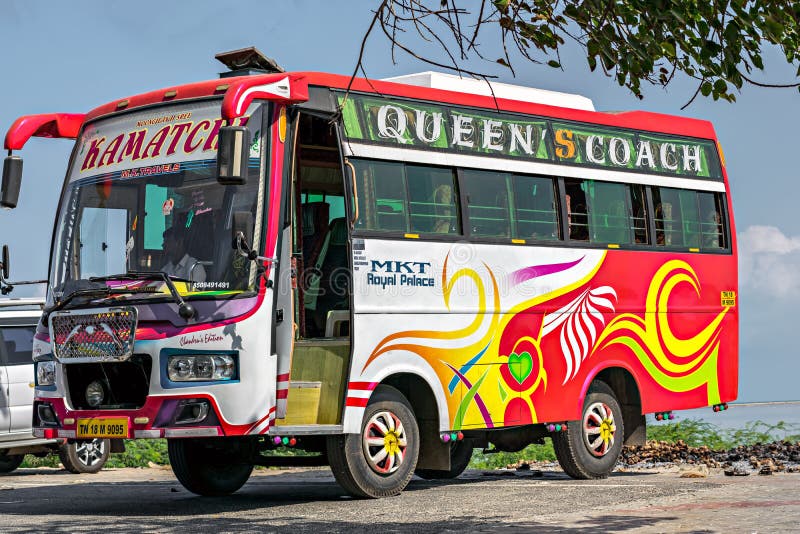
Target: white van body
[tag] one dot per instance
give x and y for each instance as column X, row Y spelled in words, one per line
column 18, row 319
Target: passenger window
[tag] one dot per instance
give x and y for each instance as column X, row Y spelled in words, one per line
column 487, row 203
column 638, row 224
column 609, row 219
column 535, row 208
column 577, row 212
column 16, row 345
column 676, row 216
column 711, row 222
column 382, row 197
column 432, row 196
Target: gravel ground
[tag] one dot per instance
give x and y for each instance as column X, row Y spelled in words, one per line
column 308, row 500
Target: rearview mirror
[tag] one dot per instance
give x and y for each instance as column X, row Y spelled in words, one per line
column 12, row 180
column 242, row 231
column 233, row 155
column 5, row 267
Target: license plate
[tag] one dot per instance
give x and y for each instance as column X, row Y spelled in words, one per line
column 102, row 427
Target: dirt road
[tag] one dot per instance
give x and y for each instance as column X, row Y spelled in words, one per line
column 310, row 501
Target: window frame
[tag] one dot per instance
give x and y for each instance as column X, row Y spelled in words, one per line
column 563, row 241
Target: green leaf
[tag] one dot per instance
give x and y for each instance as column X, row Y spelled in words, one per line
column 555, row 64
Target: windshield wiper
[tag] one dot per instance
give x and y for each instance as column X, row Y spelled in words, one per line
column 95, row 293
column 185, row 310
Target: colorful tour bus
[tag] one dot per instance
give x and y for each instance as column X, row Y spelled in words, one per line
column 386, row 274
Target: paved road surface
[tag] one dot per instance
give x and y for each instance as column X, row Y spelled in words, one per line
column 310, row 501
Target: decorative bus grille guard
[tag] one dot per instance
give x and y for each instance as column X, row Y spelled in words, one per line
column 84, row 336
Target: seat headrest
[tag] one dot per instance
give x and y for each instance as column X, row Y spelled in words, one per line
column 338, row 232
column 315, row 217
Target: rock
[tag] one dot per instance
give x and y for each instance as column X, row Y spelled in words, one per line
column 701, row 471
column 736, row 472
column 766, row 470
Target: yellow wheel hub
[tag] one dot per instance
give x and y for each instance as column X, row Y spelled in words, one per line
column 605, row 430
column 391, row 443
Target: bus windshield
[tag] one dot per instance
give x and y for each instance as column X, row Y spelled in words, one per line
column 170, row 216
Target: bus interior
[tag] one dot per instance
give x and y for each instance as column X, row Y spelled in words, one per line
column 321, row 354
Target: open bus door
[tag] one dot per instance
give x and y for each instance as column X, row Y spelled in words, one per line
column 314, row 335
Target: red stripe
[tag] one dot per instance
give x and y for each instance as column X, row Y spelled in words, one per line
column 282, row 393
column 283, row 378
column 368, row 386
column 356, row 401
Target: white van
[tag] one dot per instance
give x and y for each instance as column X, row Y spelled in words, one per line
column 18, row 319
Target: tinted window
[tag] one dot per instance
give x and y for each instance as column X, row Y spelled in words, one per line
column 395, row 197
column 609, row 220
column 432, row 200
column 677, row 217
column 382, row 197
column 535, row 208
column 711, row 220
column 16, row 345
column 487, row 202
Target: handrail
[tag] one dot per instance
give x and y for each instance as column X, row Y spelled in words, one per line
column 355, row 192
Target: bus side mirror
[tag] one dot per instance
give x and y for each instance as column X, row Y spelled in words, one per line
column 233, row 155
column 5, row 266
column 12, row 180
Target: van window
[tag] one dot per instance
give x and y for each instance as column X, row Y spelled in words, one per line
column 16, row 345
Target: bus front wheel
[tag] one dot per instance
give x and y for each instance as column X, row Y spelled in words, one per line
column 591, row 447
column 380, row 461
column 210, row 467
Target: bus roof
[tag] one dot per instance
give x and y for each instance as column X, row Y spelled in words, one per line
column 641, row 120
column 451, row 82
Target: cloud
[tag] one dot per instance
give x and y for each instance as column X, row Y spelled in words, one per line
column 769, row 261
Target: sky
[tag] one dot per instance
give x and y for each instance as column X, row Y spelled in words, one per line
column 72, row 57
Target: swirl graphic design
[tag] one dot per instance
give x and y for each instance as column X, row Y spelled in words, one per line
column 449, row 361
column 677, row 364
column 581, row 321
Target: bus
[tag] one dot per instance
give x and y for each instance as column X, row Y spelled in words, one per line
column 384, row 274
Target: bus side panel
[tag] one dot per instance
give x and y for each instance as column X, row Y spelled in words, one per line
column 515, row 335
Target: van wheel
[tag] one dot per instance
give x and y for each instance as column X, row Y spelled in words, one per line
column 380, row 461
column 87, row 456
column 210, row 467
column 591, row 447
column 9, row 462
column 460, row 455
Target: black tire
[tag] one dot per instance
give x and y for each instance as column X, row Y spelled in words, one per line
column 348, row 453
column 574, row 452
column 85, row 457
column 210, row 467
column 460, row 455
column 9, row 462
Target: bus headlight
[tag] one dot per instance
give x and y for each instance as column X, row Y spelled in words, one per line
column 45, row 373
column 201, row 367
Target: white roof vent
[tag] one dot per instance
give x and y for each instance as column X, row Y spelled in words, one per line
column 451, row 82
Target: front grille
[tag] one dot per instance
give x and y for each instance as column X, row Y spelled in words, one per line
column 125, row 384
column 81, row 336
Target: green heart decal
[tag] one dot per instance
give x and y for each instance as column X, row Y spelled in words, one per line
column 520, row 365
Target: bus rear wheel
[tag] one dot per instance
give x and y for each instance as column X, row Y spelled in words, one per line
column 379, row 461
column 210, row 467
column 591, row 447
column 460, row 455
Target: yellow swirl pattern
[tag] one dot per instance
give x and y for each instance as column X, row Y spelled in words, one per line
column 676, row 364
column 456, row 354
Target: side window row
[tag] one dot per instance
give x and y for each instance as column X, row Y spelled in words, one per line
column 407, row 198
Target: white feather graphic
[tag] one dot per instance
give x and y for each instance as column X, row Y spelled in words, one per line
column 579, row 321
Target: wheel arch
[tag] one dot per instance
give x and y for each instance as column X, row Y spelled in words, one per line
column 622, row 380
